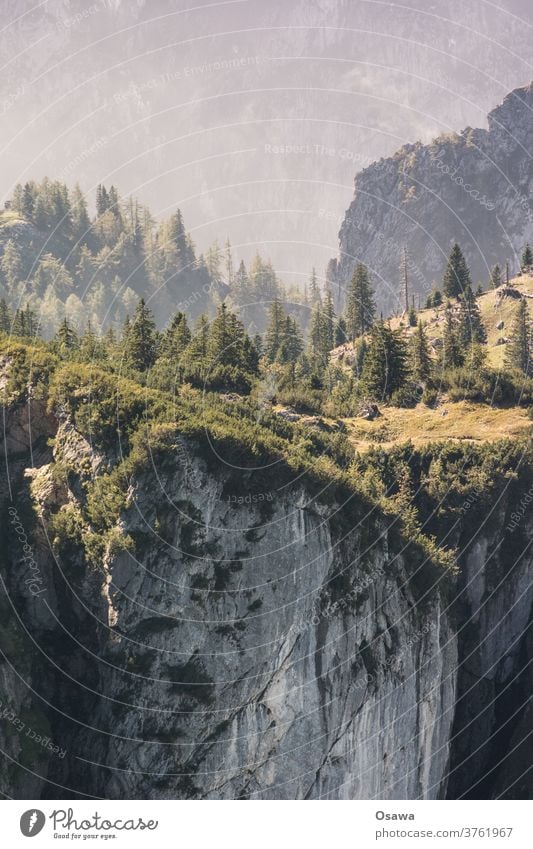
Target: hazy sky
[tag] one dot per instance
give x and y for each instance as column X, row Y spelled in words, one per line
column 251, row 115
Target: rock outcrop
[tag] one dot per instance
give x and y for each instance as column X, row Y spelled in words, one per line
column 474, row 187
column 248, row 643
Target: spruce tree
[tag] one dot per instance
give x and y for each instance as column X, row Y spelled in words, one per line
column 314, row 289
column 456, row 275
column 329, row 321
column 176, row 337
column 318, row 336
column 519, row 350
column 291, row 343
column 420, row 357
column 5, row 317
column 141, row 341
column 385, row 366
column 66, row 340
column 360, row 307
column 452, row 355
column 527, row 259
column 241, row 284
column 471, row 327
column 495, row 278
column 275, row 330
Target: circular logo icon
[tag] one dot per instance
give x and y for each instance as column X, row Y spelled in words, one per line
column 32, row 822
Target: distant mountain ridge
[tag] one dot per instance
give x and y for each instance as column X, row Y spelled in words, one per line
column 475, row 187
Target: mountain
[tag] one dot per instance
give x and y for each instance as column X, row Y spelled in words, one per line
column 198, row 607
column 474, row 187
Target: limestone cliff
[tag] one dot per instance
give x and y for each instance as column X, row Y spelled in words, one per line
column 474, row 187
column 241, row 637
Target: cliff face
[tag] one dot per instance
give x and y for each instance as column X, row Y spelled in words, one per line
column 249, row 644
column 474, row 187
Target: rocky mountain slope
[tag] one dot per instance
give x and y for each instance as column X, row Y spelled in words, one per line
column 249, row 634
column 474, row 187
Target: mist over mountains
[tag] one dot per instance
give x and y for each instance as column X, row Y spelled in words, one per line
column 252, row 118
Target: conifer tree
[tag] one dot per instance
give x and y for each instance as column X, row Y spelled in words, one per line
column 291, row 343
column 141, row 339
column 275, row 330
column 178, row 235
column 176, row 337
column 495, row 279
column 5, row 317
column 28, row 201
column 420, row 357
column 91, row 346
column 360, row 308
column 451, row 356
column 19, row 323
column 102, row 200
column 341, row 335
column 314, row 288
column 229, row 264
column 527, row 259
column 385, row 366
column 519, row 351
column 66, row 340
column 11, row 265
column 329, row 321
column 456, row 275
column 241, row 284
column 318, row 336
column 81, row 223
column 471, row 327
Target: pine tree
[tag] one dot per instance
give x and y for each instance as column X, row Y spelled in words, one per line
column 420, row 357
column 519, row 350
column 411, row 316
column 385, row 366
column 141, row 339
column 437, row 298
column 456, row 276
column 360, row 308
column 471, row 327
column 527, row 259
column 451, row 356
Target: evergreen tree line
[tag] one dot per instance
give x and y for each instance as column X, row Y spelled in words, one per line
column 220, row 353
